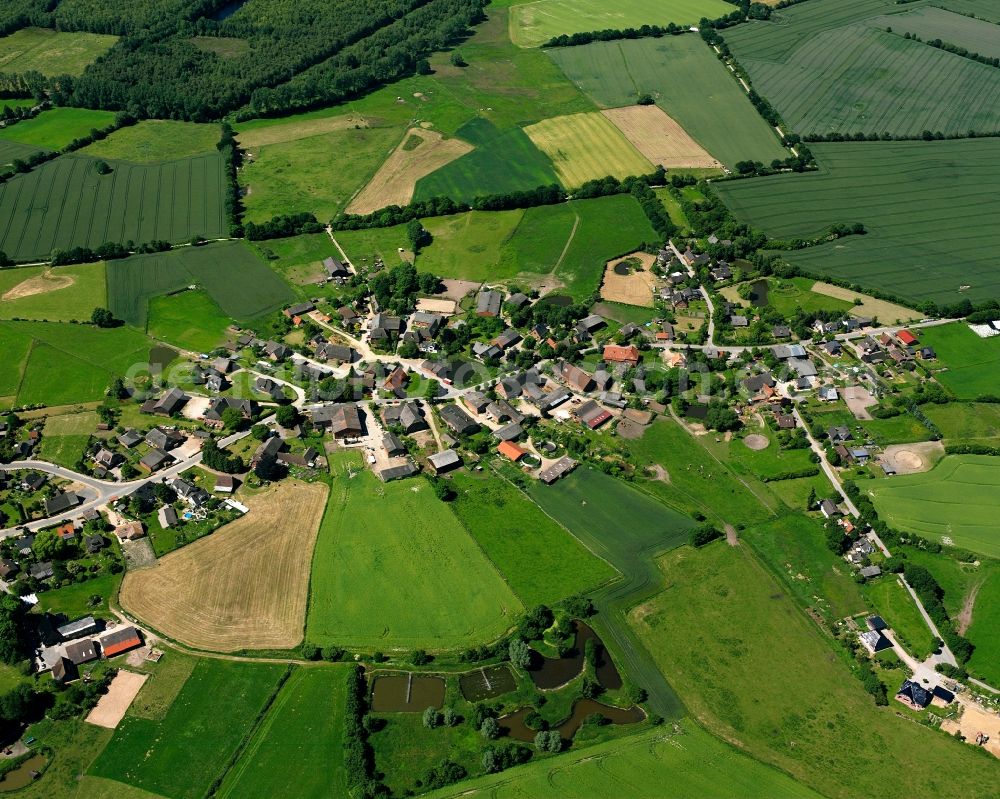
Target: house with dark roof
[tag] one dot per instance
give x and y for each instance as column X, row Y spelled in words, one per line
column 61, row 503
column 445, row 461
column 425, row 320
column 839, row 434
column 781, row 331
column 299, row 309
column 343, row 421
column 501, row 411
column 488, row 303
column 590, row 324
column 154, row 460
column 913, row 695
column 398, row 472
column 392, row 444
column 829, row 508
column 559, row 469
column 575, row 377
column 170, row 403
column 8, row 568
column 508, row 338
column 159, row 438
column 81, row 651
column 75, row 629
column 384, row 327
column 458, row 420
column 334, row 353
column 335, row 269
column 476, row 401
column 120, row 640
column 509, row 432
column 166, row 516
column 42, row 570
column 874, row 641
column 756, row 383
column 518, row 300
column 592, row 414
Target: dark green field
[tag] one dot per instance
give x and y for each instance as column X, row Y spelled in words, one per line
column 66, row 203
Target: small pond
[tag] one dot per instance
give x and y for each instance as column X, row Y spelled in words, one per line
column 758, row 293
column 406, row 693
column 23, row 774
column 513, row 724
column 559, row 300
column 696, row 411
column 548, row 673
column 228, row 10
column 487, row 683
column 161, row 357
column 622, row 269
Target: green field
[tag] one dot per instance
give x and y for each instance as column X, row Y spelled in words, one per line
column 795, row 294
column 894, row 604
column 189, row 319
column 13, row 150
column 958, row 499
column 686, row 762
column 363, row 246
column 984, row 631
column 541, row 561
column 152, row 141
column 54, row 129
column 299, row 259
column 970, row 363
column 984, row 9
column 73, row 600
column 467, row 246
column 296, row 749
column 233, row 275
column 687, row 81
column 65, row 293
column 966, row 422
column 388, row 562
column 65, row 437
column 179, row 755
column 928, row 208
column 50, row 52
column 171, row 201
column 753, row 668
column 534, row 23
column 975, row 35
column 771, row 463
column 831, row 66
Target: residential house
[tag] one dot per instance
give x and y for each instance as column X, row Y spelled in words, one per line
column 508, row 338
column 828, row 394
column 833, row 347
column 870, row 572
column 906, row 338
column 166, row 516
column 154, row 460
column 737, row 320
column 517, row 300
column 107, row 459
column 927, row 354
column 158, row 438
column 476, row 401
column 590, row 325
column 829, row 509
column 874, row 641
column 42, row 570
column 756, row 384
column 8, row 569
column 422, row 320
column 343, row 421
column 914, row 695
column 267, row 451
column 839, row 434
column 802, row 367
column 61, row 503
column 785, row 421
column 334, row 353
column 458, row 420
column 195, row 496
column 224, row 484
column 781, row 331
column 552, row 399
column 396, row 380
column 276, row 351
column 616, row 354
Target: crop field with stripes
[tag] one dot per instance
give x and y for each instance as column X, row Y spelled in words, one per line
column 67, row 203
column 930, row 209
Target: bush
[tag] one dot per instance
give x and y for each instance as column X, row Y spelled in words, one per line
column 704, row 534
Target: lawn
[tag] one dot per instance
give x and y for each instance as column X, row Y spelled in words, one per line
column 65, row 437
column 467, row 246
column 966, row 422
column 970, row 362
column 51, row 52
column 303, row 729
column 686, row 762
column 928, row 208
column 540, row 560
column 957, row 500
column 772, row 463
column 686, row 80
column 154, row 140
column 59, row 294
column 57, row 127
column 894, row 604
column 189, row 319
column 795, row 294
column 74, row 601
column 754, row 669
column 402, row 539
column 180, row 756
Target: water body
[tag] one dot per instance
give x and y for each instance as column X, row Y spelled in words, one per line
column 514, row 727
column 548, row 673
column 406, row 693
column 758, row 293
column 228, row 10
column 487, row 683
column 23, row 774
column 559, row 300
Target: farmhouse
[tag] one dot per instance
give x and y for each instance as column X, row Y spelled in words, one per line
column 590, row 324
column 170, row 403
column 509, row 432
column 276, row 351
column 397, row 472
column 334, row 353
column 829, row 509
column 408, row 415
column 511, row 451
column 158, row 438
column 501, row 412
column 343, row 421
column 122, row 640
column 458, row 420
column 445, row 461
column 559, row 469
column 616, row 354
column 839, row 435
column 476, row 401
column 592, row 414
column 488, row 303
column 81, row 652
column 422, row 320
column 335, row 269
column 906, row 338
column 913, row 695
column 508, row 338
column 575, row 377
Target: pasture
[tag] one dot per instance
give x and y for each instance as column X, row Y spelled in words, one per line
column 586, row 147
column 139, row 203
column 189, row 319
column 299, row 259
column 787, row 296
column 57, row 127
column 883, row 310
column 65, row 437
column 304, row 727
column 232, row 274
column 831, row 66
column 243, row 587
column 180, row 755
column 966, row 422
column 51, row 52
column 534, row 23
column 894, row 604
column 540, row 560
column 686, row 80
column 970, row 362
column 682, row 763
column 385, row 554
column 659, row 138
column 984, row 631
column 59, row 294
column 154, row 140
column 957, row 500
column 256, row 133
column 928, row 208
column 467, row 246
column 749, row 662
column 380, row 242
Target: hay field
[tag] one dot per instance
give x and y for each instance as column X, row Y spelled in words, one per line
column 635, row 288
column 587, row 147
column 245, row 586
column 154, row 140
column 259, row 133
column 50, row 52
column 659, row 138
column 883, row 310
column 420, row 153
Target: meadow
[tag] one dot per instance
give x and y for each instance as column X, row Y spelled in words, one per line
column 304, row 727
column 682, row 763
column 958, row 499
column 540, row 560
column 139, row 203
column 59, row 294
column 57, row 127
column 74, row 600
column 180, row 755
column 299, row 259
column 794, row 294
column 384, row 555
column 771, row 463
column 51, row 52
column 189, row 319
column 65, row 437
column 534, row 23
column 754, row 669
column 364, row 246
column 970, row 362
column 686, row 80
column 467, row 246
column 966, row 422
column 154, row 140
column 928, row 208
column 894, row 604
column 984, row 631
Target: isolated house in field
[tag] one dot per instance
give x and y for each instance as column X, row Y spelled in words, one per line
column 870, row 572
column 913, row 695
column 488, row 303
column 445, row 461
column 829, row 509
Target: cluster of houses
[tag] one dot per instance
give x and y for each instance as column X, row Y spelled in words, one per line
column 899, row 348
column 82, row 641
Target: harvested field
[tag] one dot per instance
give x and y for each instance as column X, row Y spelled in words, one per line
column 659, row 138
column 883, row 310
column 634, row 288
column 243, row 587
column 111, row 707
column 912, row 458
column 420, row 153
column 259, row 135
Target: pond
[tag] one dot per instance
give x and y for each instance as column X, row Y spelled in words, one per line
column 487, row 683
column 548, row 673
column 622, row 269
column 406, row 693
column 228, row 10
column 23, row 774
column 559, row 300
column 758, row 293
column 696, row 411
column 160, row 357
column 514, row 727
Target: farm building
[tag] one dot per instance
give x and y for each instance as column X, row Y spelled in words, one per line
column 75, row 629
column 458, row 420
column 616, row 354
column 158, row 438
column 445, row 461
column 81, row 652
column 476, row 401
column 335, row 269
column 170, row 403
column 408, row 415
column 592, row 414
column 118, row 641
column 906, row 338
column 559, row 469
column 509, row 432
column 343, row 421
column 575, row 377
column 334, row 353
column 299, row 309
column 590, row 325
column 511, row 451
column 488, row 303
column 225, row 484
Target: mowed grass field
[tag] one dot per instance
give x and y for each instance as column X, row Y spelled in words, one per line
column 59, row 294
column 541, row 560
column 970, row 363
column 894, row 604
column 65, row 203
column 65, row 437
column 534, row 23
column 234, row 276
column 984, row 631
column 394, row 568
column 57, row 127
column 587, row 147
column 304, row 728
column 686, row 762
column 966, row 422
column 51, row 52
column 243, row 587
column 154, row 140
column 958, row 499
column 928, row 208
column 754, row 669
column 189, row 319
column 687, row 81
column 832, row 66
column 179, row 755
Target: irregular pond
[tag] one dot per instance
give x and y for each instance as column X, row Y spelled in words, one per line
column 487, row 683
column 160, row 357
column 559, row 300
column 758, row 293
column 228, row 10
column 622, row 269
column 548, row 673
column 513, row 724
column 406, row 693
column 23, row 774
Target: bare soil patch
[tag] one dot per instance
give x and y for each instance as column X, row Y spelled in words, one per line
column 912, row 458
column 634, row 288
column 110, row 708
column 628, row 429
column 432, row 305
column 975, row 720
column 40, row 284
column 886, row 312
column 661, row 139
column 660, row 473
column 420, row 153
column 458, row 290
column 293, row 131
column 859, row 400
column 756, row 442
column 243, row 587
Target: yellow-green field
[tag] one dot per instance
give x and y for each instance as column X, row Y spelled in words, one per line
column 51, row 52
column 154, row 140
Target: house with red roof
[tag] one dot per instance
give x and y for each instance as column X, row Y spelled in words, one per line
column 906, row 338
column 614, row 353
